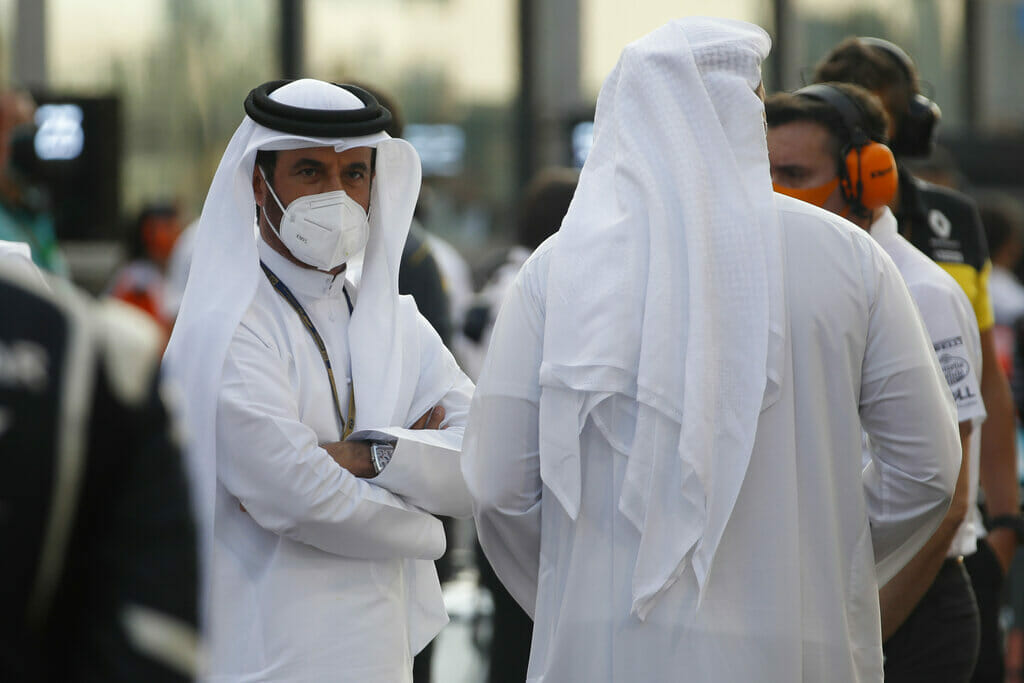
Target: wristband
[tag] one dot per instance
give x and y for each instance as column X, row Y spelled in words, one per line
column 1012, row 522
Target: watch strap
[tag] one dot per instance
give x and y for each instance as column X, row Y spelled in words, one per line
column 1013, row 522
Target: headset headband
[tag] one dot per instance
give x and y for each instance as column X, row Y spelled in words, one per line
column 895, row 52
column 850, row 112
column 916, row 127
column 319, row 123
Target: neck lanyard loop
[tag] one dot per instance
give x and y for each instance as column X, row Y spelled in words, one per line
column 348, row 425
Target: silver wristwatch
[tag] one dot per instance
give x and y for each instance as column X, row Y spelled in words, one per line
column 380, row 454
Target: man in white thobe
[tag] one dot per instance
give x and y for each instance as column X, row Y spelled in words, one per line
column 664, row 448
column 299, row 387
column 819, row 138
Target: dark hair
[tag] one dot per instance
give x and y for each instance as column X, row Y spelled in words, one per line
column 266, row 159
column 783, row 108
column 545, row 203
column 149, row 211
column 855, row 61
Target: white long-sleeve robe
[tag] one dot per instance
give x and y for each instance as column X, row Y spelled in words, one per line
column 792, row 595
column 323, row 576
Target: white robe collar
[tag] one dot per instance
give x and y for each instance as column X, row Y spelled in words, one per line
column 305, row 281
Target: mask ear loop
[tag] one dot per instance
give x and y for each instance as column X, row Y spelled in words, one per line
column 272, row 194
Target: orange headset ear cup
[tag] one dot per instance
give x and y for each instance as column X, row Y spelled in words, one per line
column 875, row 167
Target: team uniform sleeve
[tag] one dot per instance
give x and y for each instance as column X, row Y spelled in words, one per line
column 983, row 302
column 953, row 330
column 288, row 484
column 907, row 410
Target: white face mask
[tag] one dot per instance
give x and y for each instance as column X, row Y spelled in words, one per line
column 322, row 230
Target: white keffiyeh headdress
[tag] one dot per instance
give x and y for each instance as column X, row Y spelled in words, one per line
column 666, row 285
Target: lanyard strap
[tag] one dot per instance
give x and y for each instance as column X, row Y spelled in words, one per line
column 348, row 425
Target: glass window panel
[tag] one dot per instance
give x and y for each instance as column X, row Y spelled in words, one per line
column 181, row 69
column 451, row 62
column 1001, row 47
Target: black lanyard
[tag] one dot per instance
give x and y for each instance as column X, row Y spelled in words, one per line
column 347, row 425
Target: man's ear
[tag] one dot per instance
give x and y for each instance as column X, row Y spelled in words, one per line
column 259, row 187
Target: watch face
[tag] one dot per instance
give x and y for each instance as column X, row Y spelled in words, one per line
column 381, row 454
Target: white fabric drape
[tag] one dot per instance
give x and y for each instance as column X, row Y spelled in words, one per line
column 793, row 595
column 671, row 242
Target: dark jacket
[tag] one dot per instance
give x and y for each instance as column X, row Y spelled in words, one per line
column 945, row 225
column 99, row 560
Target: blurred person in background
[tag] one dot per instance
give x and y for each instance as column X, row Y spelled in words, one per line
column 419, row 274
column 327, row 416
column 664, row 448
column 545, row 201
column 178, row 266
column 24, row 206
column 827, row 146
column 544, row 205
column 456, row 274
column 99, row 578
column 944, row 224
column 938, row 168
column 142, row 282
column 1003, row 218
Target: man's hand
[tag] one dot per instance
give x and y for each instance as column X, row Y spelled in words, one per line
column 898, row 598
column 431, row 419
column 353, row 456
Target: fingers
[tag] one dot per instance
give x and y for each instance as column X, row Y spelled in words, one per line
column 431, row 419
column 436, row 417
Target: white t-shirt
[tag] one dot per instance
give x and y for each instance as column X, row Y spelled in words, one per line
column 953, row 330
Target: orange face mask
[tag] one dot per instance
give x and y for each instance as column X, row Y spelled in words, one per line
column 159, row 235
column 812, row 195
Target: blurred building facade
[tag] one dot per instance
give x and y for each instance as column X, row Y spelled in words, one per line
column 492, row 89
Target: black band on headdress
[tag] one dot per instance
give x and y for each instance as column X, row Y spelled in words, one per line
column 317, row 123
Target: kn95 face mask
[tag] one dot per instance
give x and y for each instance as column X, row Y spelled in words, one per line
column 323, row 230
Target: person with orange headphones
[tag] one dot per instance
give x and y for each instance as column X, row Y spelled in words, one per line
column 944, row 224
column 826, row 146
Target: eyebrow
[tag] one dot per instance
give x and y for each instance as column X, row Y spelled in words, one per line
column 305, row 161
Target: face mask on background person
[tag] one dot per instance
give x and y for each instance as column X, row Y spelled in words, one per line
column 323, row 230
column 812, row 195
